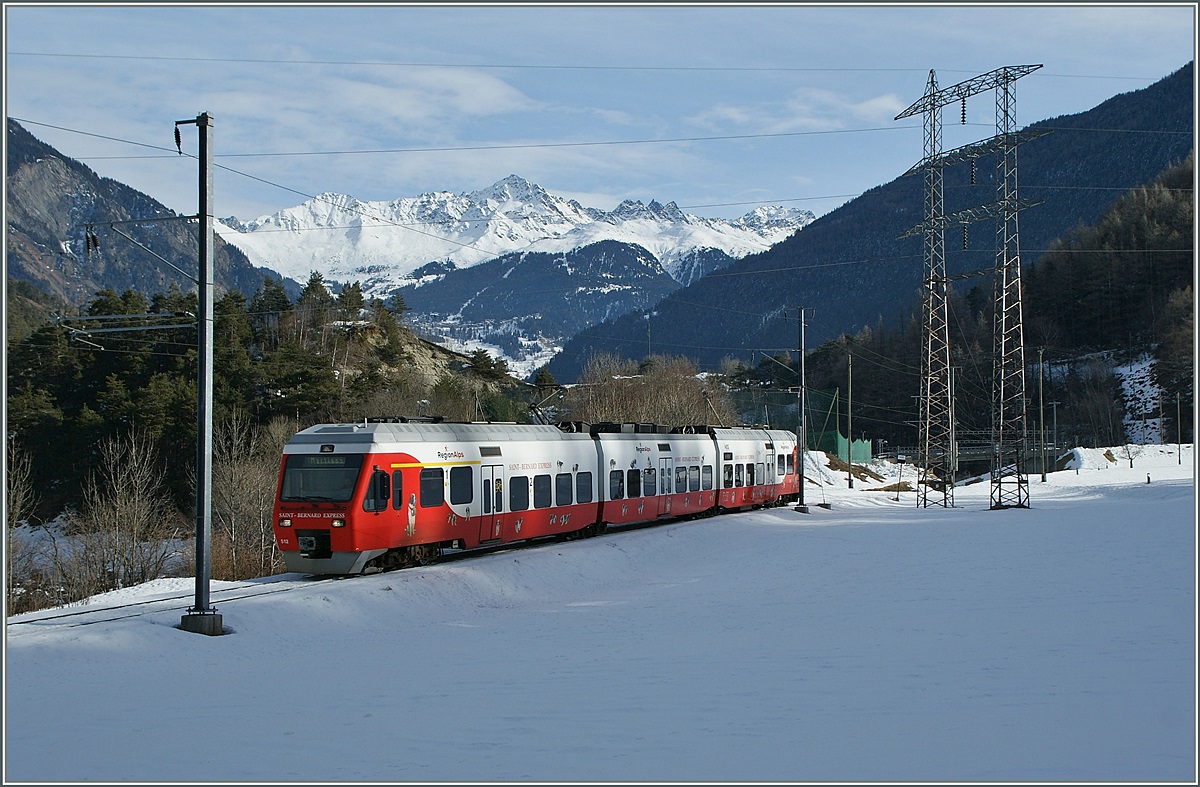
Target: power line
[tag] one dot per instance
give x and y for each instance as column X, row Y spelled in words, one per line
column 524, row 66
column 549, row 145
column 536, row 66
column 468, row 148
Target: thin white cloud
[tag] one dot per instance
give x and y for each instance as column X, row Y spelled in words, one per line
column 806, row 109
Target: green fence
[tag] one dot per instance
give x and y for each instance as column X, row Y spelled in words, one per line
column 834, row 444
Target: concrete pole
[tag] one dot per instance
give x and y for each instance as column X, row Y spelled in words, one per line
column 802, row 428
column 1041, row 416
column 849, row 421
column 202, row 618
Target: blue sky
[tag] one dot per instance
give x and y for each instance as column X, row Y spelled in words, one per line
column 717, row 108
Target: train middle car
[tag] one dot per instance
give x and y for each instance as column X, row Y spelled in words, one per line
column 385, row 493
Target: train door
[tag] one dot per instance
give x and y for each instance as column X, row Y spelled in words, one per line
column 492, row 496
column 666, row 479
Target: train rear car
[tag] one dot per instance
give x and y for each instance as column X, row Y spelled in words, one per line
column 787, row 468
column 758, row 466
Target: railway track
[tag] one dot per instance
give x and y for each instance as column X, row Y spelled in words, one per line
column 82, row 615
column 73, row 616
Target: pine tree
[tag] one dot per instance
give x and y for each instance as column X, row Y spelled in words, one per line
column 267, row 309
column 233, row 383
column 350, row 302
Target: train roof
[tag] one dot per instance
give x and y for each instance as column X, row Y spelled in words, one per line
column 349, row 436
column 380, row 431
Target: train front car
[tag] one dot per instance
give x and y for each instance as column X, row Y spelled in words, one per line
column 319, row 497
column 758, row 467
column 384, row 494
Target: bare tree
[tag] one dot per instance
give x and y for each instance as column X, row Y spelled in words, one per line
column 127, row 530
column 1096, row 397
column 25, row 586
column 606, row 391
column 663, row 390
column 1131, row 452
column 245, row 472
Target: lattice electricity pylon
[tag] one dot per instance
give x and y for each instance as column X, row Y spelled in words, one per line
column 1010, row 482
column 936, row 440
column 936, row 412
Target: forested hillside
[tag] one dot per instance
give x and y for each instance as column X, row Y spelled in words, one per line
column 320, row 357
column 1100, row 297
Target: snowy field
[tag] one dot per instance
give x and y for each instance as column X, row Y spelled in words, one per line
column 870, row 641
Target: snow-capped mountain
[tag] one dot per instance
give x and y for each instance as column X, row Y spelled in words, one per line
column 380, row 243
column 465, row 264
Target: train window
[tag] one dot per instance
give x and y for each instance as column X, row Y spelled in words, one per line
column 541, row 491
column 489, row 450
column 433, row 487
column 616, row 485
column 562, row 489
column 378, row 491
column 706, row 477
column 749, row 474
column 583, row 487
column 681, row 478
column 518, row 493
column 397, row 491
column 694, row 478
column 726, row 476
column 727, row 456
column 739, row 475
column 664, row 481
column 779, row 466
column 649, row 481
column 635, row 483
column 760, row 473
column 461, row 485
column 326, row 477
column 486, row 497
column 791, row 465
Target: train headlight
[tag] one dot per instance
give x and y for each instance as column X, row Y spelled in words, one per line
column 285, row 523
column 338, row 523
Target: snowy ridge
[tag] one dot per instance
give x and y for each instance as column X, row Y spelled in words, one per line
column 380, row 243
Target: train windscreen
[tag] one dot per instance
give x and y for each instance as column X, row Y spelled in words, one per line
column 320, row 477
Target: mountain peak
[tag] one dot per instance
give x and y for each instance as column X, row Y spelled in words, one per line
column 775, row 217
column 513, row 188
column 380, row 243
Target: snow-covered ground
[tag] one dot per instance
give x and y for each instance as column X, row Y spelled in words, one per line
column 868, row 641
column 1146, row 409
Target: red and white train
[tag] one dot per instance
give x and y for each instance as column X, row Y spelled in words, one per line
column 385, row 493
